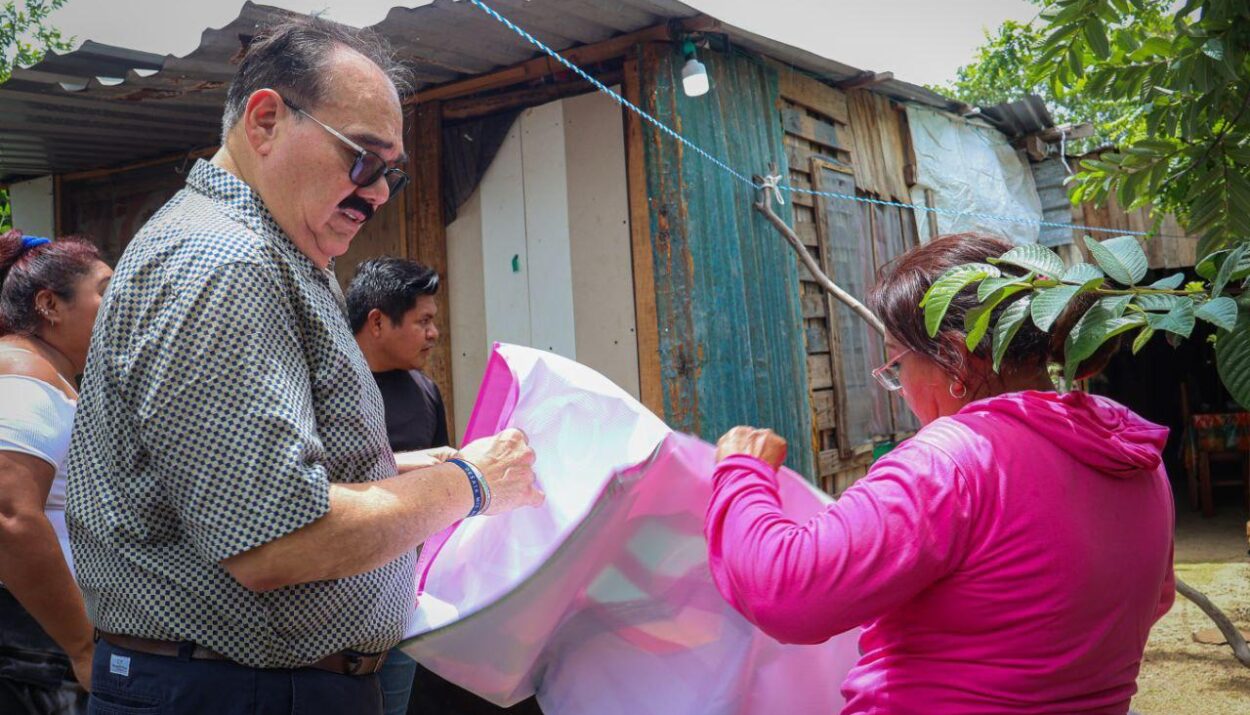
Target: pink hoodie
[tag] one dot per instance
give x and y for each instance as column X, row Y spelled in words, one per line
column 1009, row 558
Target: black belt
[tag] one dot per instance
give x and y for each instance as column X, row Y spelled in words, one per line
column 344, row 663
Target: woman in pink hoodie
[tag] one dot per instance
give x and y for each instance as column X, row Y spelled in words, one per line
column 1010, row 557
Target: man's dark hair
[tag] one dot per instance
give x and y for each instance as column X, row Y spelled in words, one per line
column 292, row 58
column 392, row 285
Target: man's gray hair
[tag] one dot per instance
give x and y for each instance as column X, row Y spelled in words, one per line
column 293, row 59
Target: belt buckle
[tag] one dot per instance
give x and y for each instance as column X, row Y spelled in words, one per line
column 355, row 661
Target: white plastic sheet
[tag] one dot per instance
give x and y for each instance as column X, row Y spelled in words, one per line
column 971, row 168
column 601, row 601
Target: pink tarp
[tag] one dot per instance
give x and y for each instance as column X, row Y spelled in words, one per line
column 601, row 600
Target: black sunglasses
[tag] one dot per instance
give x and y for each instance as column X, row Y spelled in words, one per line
column 368, row 166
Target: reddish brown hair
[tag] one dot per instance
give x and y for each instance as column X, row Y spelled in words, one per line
column 902, row 283
column 54, row 266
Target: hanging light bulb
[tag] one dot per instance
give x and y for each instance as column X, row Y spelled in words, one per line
column 694, row 79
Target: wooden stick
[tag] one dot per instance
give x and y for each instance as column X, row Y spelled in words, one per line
column 764, row 206
column 1235, row 640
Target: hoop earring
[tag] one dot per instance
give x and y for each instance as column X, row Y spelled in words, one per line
column 963, row 390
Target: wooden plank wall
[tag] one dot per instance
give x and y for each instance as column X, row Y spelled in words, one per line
column 731, row 340
column 1172, row 249
column 854, row 143
column 110, row 209
column 816, row 120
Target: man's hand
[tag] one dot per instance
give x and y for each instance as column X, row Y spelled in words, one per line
column 420, row 459
column 763, row 444
column 507, row 462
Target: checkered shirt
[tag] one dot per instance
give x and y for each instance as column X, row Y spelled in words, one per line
column 223, row 394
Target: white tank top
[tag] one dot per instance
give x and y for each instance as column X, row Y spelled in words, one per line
column 36, row 419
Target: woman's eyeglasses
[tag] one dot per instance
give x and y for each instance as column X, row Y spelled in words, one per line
column 888, row 374
column 368, row 166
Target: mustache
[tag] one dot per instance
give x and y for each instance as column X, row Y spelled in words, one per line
column 359, row 204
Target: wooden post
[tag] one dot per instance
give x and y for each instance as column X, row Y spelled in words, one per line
column 650, row 381
column 427, row 236
column 57, row 221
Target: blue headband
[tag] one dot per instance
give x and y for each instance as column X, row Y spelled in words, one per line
column 29, row 242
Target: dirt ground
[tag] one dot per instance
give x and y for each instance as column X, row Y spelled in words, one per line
column 1179, row 676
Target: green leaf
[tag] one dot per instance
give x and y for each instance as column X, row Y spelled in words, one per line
column 1049, row 304
column 1115, row 304
column 1121, row 258
column 990, row 286
column 1232, row 360
column 1033, row 257
column 1210, row 266
column 1142, row 338
column 1172, row 282
column 977, row 321
column 1096, row 327
column 1096, row 36
column 1156, row 147
column 1081, row 273
column 1214, row 49
column 1008, row 325
column 1159, row 302
column 1152, row 47
column 939, row 296
column 1225, row 274
column 1220, row 311
column 1074, row 63
column 1179, row 320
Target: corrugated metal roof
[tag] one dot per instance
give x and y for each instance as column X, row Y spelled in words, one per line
column 1019, row 118
column 105, row 106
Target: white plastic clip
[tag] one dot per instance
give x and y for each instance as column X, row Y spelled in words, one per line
column 773, row 182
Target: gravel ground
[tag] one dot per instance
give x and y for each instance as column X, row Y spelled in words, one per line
column 1179, row 676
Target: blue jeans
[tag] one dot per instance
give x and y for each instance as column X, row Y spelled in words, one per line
column 396, row 678
column 127, row 682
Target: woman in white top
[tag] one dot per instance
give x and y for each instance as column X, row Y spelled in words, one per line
column 49, row 295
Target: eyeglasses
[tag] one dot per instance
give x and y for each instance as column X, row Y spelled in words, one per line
column 888, row 374
column 368, row 166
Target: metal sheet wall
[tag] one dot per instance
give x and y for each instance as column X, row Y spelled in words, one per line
column 727, row 297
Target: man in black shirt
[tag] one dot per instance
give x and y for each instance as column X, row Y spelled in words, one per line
column 391, row 310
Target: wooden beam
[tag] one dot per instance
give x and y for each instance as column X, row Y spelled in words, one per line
column 471, row 107
column 167, row 159
column 427, row 236
column 57, row 221
column 865, row 79
column 811, row 93
column 1073, row 131
column 646, row 321
column 800, row 124
column 544, row 65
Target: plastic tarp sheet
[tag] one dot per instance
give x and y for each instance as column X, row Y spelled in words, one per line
column 971, row 168
column 601, row 601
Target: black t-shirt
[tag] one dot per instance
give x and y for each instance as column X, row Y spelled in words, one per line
column 415, row 418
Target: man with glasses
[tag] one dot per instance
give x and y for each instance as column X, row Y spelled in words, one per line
column 245, row 537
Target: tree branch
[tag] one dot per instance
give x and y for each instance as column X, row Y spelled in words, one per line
column 764, row 205
column 1235, row 640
